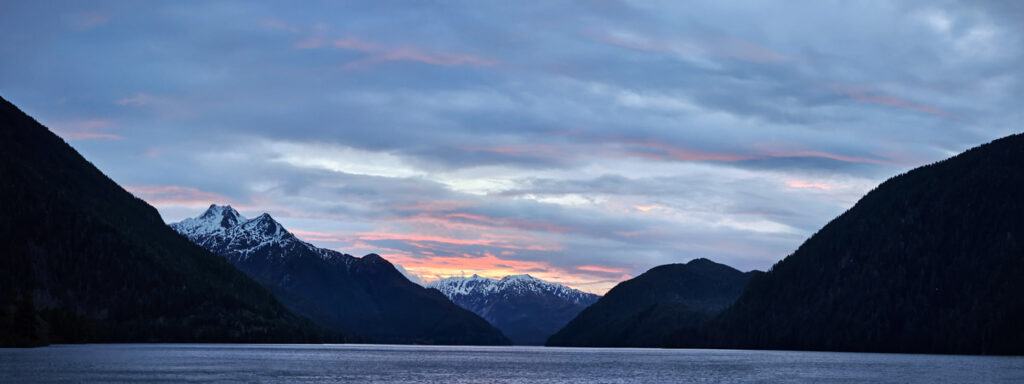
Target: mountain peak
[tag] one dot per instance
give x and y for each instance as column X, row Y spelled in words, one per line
column 224, row 216
column 374, row 258
column 525, row 308
column 221, row 221
column 264, row 225
column 216, row 218
column 523, row 277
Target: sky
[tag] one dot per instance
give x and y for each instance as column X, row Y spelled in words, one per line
column 581, row 142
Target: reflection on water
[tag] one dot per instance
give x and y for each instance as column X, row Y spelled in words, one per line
column 408, row 364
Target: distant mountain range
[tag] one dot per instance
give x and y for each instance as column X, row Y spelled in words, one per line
column 82, row 260
column 363, row 296
column 930, row 261
column 526, row 309
column 652, row 308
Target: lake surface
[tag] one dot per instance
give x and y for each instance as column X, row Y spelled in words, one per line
column 448, row 364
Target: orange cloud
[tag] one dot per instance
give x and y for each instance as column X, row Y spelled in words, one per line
column 806, row 185
column 491, row 266
column 488, row 253
column 503, row 241
column 645, row 208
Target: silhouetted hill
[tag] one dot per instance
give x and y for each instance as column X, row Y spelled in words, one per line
column 929, row 261
column 647, row 310
column 366, row 296
column 526, row 309
column 84, row 260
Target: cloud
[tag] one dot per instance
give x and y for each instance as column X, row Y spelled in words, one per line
column 90, row 129
column 86, row 20
column 723, row 47
column 138, row 99
column 277, row 25
column 862, row 95
column 173, row 195
column 377, row 53
column 578, row 141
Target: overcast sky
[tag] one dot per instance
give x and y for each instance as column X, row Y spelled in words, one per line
column 580, row 142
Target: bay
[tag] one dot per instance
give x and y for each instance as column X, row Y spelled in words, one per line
column 249, row 363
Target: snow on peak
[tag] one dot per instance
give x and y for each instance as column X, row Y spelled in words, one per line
column 216, row 219
column 508, row 285
column 510, row 278
column 224, row 229
column 264, row 225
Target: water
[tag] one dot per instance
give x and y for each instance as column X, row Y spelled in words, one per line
column 433, row 364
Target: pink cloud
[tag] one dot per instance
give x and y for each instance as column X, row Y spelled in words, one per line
column 658, row 150
column 310, row 43
column 417, row 238
column 727, row 47
column 167, row 195
column 531, row 150
column 603, row 269
column 277, row 25
column 809, row 185
column 153, row 153
column 378, row 53
column 87, row 20
column 748, row 51
column 138, row 99
column 864, row 96
column 635, row 45
column 436, row 205
column 356, row 44
column 89, row 129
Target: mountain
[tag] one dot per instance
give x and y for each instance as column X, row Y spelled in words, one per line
column 929, row 261
column 526, row 309
column 656, row 306
column 365, row 296
column 82, row 260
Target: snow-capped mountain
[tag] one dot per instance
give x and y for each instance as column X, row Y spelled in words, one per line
column 224, row 231
column 525, row 308
column 365, row 296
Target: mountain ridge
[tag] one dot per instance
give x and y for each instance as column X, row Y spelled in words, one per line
column 366, row 296
column 84, row 260
column 656, row 305
column 527, row 309
column 929, row 261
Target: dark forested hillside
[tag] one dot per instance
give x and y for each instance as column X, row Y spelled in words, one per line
column 930, row 261
column 649, row 309
column 83, row 260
